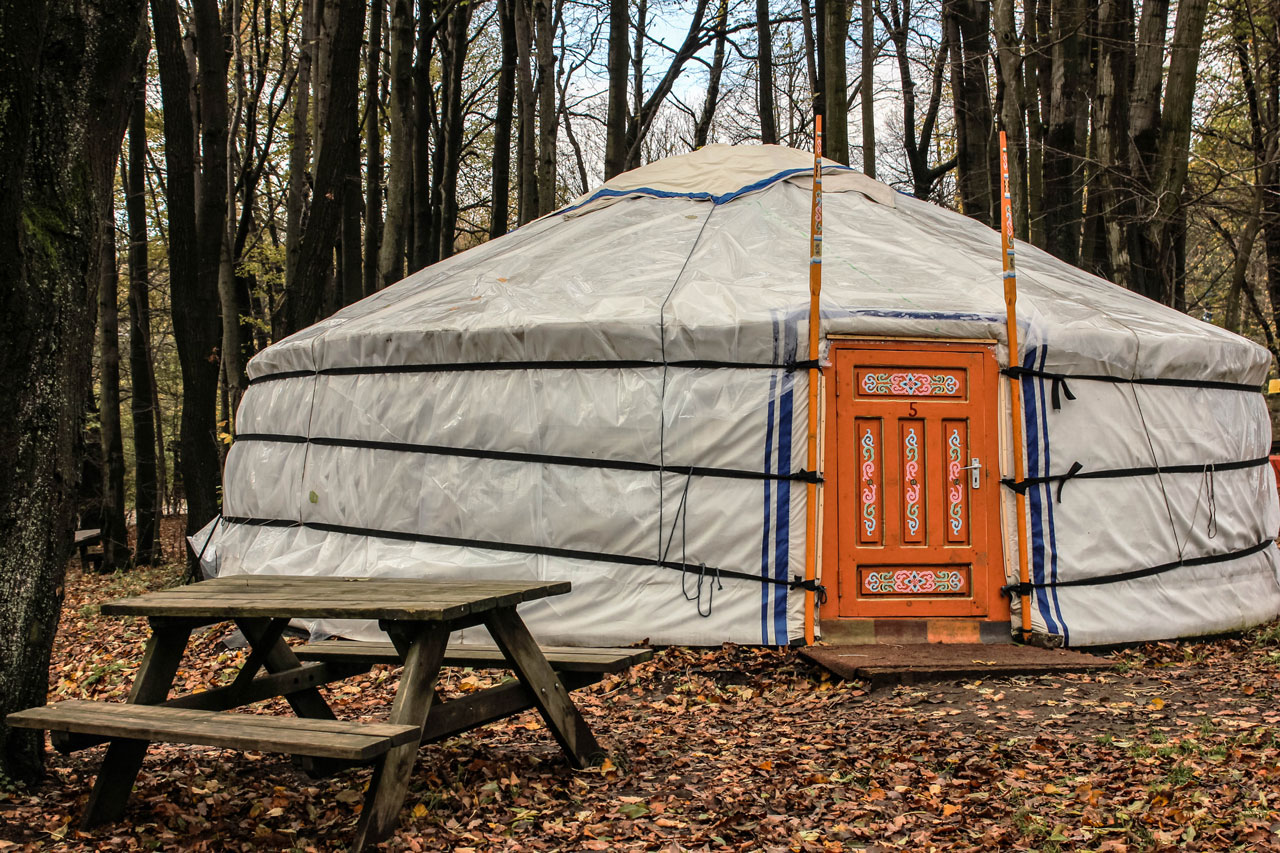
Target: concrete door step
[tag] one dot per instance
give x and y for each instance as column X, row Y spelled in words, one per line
column 909, row 663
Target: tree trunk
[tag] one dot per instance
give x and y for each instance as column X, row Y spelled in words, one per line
column 1064, row 146
column 66, row 82
column 146, row 494
column 526, row 155
column 835, row 80
column 500, row 214
column 1012, row 109
column 1144, row 135
column 235, row 174
column 204, row 486
column 163, row 483
column 1271, row 242
column 400, row 162
column 304, row 295
column 1243, row 250
column 1093, row 254
column 1148, row 75
column 1259, row 64
column 299, row 152
column 1115, row 54
column 351, row 281
column 320, row 60
column 632, row 159
column 615, row 147
column 868, row 88
column 545, row 19
column 452, row 121
column 373, row 149
column 115, row 535
column 562, row 86
column 1035, row 25
column 811, row 53
column 193, row 295
column 425, row 242
column 967, row 25
column 703, row 127
column 819, row 46
column 1167, row 227
column 764, row 74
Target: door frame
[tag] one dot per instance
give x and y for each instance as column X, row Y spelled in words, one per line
column 829, row 534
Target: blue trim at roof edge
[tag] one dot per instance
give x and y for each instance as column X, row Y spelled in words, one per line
column 607, row 192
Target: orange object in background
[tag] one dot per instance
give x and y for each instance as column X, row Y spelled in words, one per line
column 1275, row 468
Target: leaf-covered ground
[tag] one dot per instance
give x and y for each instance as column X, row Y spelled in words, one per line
column 1176, row 748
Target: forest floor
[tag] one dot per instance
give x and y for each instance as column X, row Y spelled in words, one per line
column 1177, row 747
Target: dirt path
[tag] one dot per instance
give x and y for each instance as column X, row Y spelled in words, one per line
column 730, row 749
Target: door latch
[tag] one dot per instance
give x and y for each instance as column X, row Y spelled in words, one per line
column 975, row 472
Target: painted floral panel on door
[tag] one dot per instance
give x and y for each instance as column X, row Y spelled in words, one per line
column 955, row 436
column 914, row 580
column 870, row 456
column 912, row 382
column 915, row 520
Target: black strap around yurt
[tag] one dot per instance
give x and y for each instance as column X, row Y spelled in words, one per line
column 537, row 550
column 474, row 366
column 801, row 476
column 1078, row 472
column 1061, row 389
column 1020, row 589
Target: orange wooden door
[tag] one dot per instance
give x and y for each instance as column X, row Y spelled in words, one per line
column 917, row 480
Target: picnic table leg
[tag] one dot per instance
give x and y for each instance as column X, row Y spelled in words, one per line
column 256, row 659
column 123, row 760
column 269, row 647
column 269, row 650
column 549, row 694
column 422, row 645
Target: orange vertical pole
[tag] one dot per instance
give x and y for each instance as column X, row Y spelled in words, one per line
column 815, row 318
column 1015, row 388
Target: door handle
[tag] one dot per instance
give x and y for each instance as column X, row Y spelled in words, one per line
column 975, row 477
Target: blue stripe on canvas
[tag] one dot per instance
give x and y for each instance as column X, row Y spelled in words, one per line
column 764, row 544
column 1029, row 391
column 768, row 495
column 782, row 522
column 1053, row 536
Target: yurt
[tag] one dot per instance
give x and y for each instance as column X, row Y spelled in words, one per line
column 617, row 395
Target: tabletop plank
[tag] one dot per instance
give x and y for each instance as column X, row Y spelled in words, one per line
column 310, row 597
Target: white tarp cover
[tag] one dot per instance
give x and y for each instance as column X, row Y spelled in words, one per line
column 704, row 258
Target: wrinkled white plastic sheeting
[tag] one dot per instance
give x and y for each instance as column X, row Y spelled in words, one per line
column 675, row 279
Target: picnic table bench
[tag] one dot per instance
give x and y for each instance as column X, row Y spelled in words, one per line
column 575, row 667
column 417, row 614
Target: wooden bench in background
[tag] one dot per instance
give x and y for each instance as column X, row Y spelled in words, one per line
column 86, row 539
column 576, row 668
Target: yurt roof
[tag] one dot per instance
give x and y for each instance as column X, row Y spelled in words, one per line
column 705, row 257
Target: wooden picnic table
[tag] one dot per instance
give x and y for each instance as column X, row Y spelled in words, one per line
column 417, row 614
